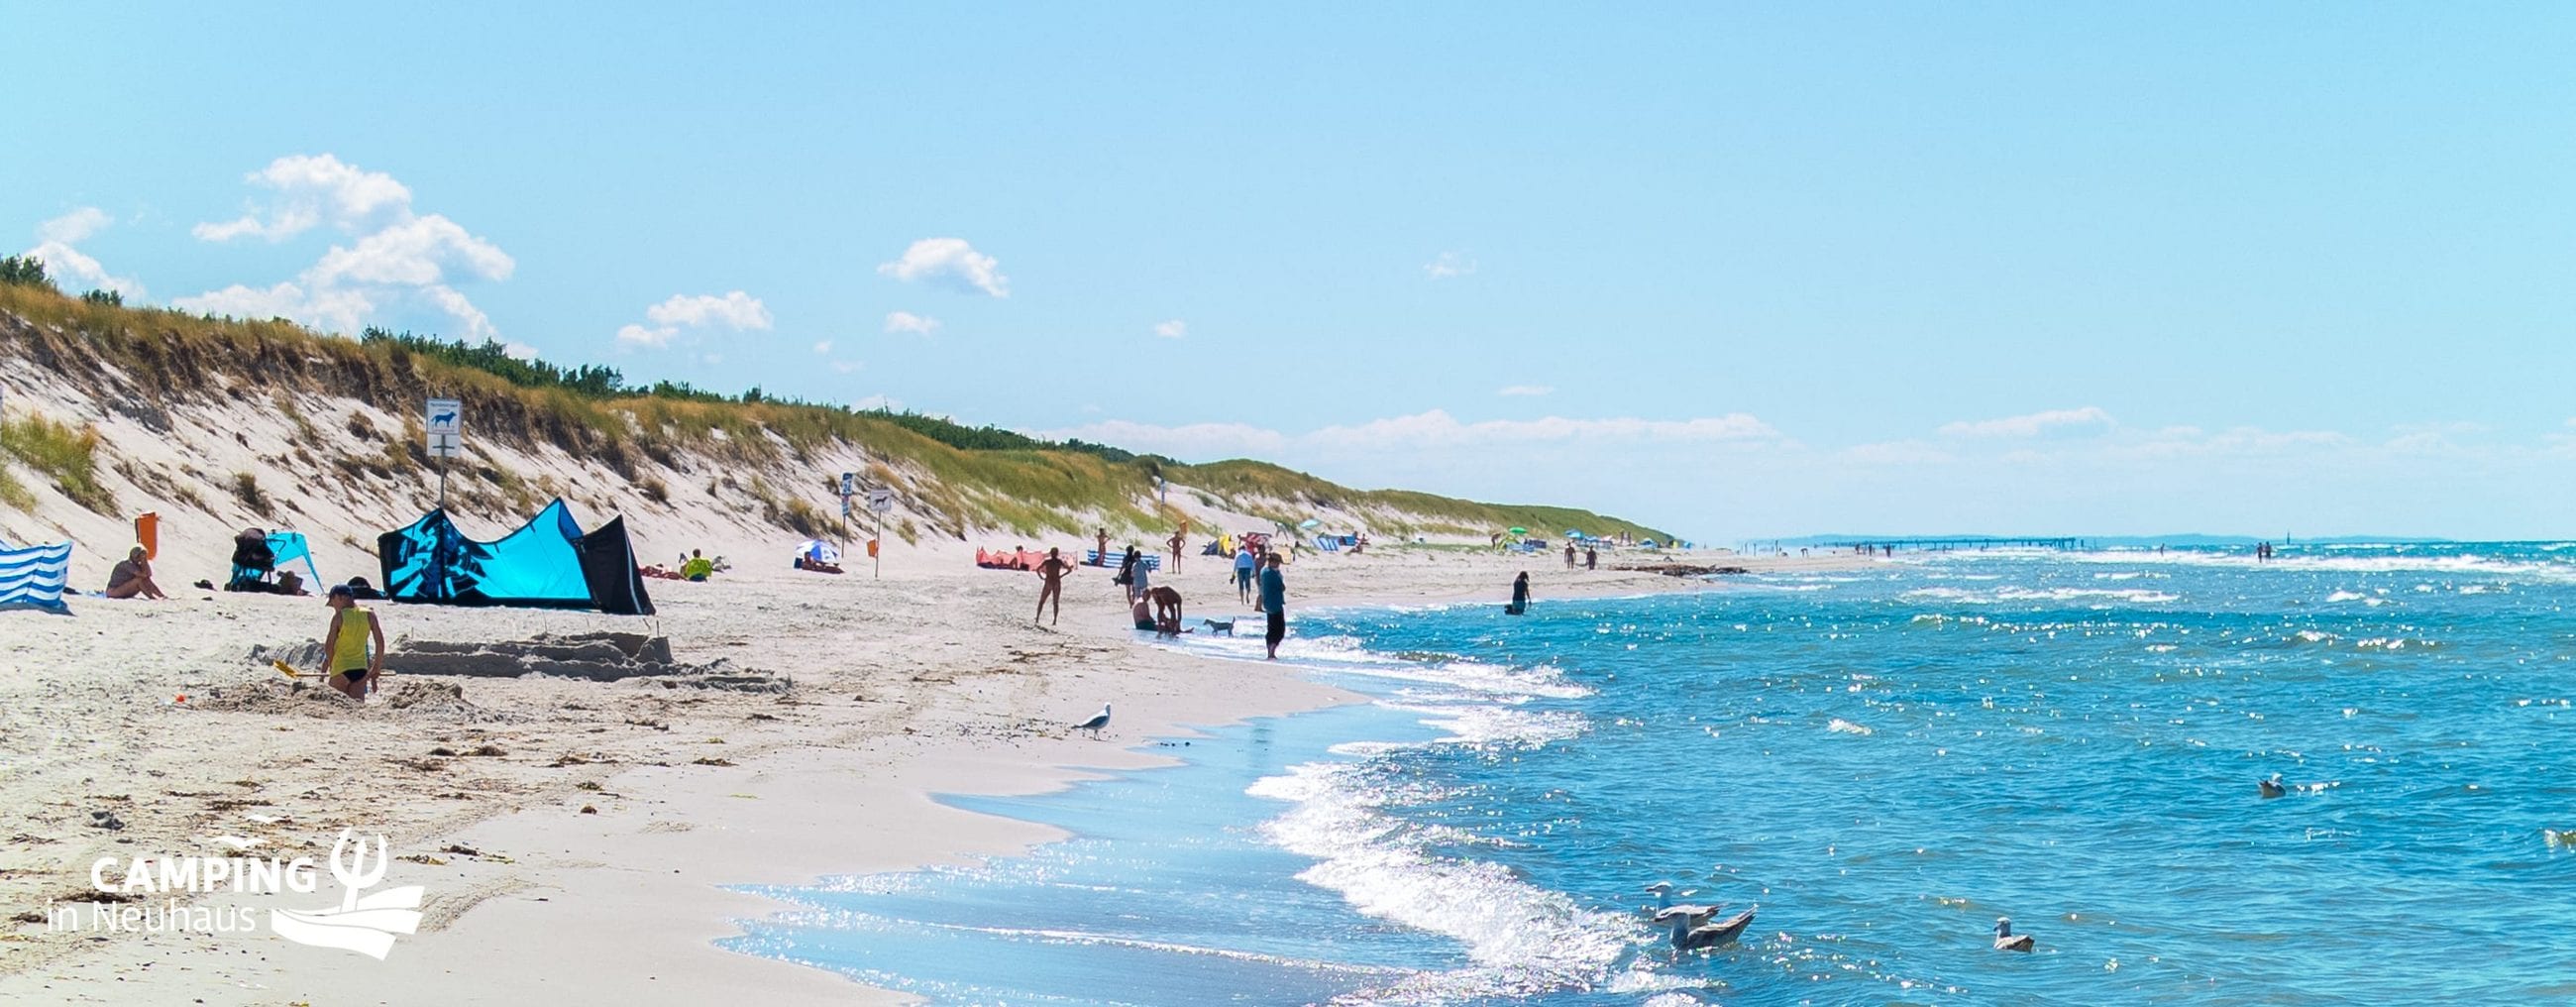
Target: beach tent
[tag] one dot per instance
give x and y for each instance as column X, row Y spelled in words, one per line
column 34, row 577
column 547, row 563
column 819, row 551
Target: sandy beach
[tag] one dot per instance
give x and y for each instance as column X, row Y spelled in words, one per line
column 575, row 837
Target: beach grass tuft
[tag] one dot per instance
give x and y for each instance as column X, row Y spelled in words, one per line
column 66, row 454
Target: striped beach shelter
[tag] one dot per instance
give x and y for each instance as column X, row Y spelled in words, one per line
column 34, row 576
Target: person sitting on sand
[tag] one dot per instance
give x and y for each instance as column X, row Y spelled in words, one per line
column 133, row 578
column 354, row 666
column 697, row 568
column 1051, row 584
column 1144, row 618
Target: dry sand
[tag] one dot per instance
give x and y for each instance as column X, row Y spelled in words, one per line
column 603, row 817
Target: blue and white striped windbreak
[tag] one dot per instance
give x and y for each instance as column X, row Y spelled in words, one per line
column 33, row 577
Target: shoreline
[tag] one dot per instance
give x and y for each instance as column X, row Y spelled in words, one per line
column 629, row 901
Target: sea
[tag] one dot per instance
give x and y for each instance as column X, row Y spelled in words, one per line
column 1880, row 761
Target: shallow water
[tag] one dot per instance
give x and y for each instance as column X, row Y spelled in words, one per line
column 1883, row 760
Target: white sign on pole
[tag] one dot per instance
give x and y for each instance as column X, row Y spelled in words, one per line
column 880, row 501
column 445, row 421
column 849, row 484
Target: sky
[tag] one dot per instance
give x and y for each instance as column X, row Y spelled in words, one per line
column 1729, row 270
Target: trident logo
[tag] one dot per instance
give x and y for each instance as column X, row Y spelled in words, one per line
column 355, row 877
column 365, row 925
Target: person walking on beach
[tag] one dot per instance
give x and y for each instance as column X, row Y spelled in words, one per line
column 1569, row 555
column 1101, row 546
column 133, row 578
column 1520, row 595
column 1243, row 567
column 1051, row 584
column 1591, row 558
column 354, row 666
column 1274, row 601
column 1140, row 578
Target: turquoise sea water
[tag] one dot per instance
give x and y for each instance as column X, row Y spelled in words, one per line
column 1884, row 760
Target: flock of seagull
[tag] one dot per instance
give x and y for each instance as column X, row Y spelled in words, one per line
column 1692, row 930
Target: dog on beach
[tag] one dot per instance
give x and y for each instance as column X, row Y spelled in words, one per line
column 1219, row 628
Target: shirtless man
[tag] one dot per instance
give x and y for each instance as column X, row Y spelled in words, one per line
column 1179, row 538
column 133, row 578
column 1051, row 587
column 1167, row 611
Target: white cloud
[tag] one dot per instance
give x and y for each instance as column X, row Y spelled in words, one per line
column 734, row 310
column 823, row 347
column 875, row 402
column 951, row 262
column 1526, row 390
column 519, row 351
column 905, row 321
column 329, row 310
column 846, row 366
column 1449, row 264
column 399, row 258
column 314, row 190
column 71, row 268
column 2030, row 424
column 637, row 335
column 1173, row 329
column 74, row 227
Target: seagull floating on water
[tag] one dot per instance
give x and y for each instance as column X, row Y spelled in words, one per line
column 2271, row 787
column 1663, row 893
column 1098, row 720
column 1689, row 934
column 2006, row 940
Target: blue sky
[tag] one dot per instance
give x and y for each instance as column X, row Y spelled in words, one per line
column 1736, row 271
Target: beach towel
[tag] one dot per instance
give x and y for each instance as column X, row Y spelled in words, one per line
column 34, row 576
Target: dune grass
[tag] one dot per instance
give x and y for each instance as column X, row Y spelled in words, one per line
column 66, row 454
column 959, row 480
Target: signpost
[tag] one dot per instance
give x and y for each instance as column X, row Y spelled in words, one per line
column 879, row 502
column 849, row 485
column 445, row 422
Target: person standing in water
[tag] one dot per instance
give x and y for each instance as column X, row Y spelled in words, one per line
column 1520, row 595
column 1274, row 602
column 1051, row 584
column 354, row 666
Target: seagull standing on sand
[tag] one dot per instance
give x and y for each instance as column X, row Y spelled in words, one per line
column 2006, row 940
column 1098, row 720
